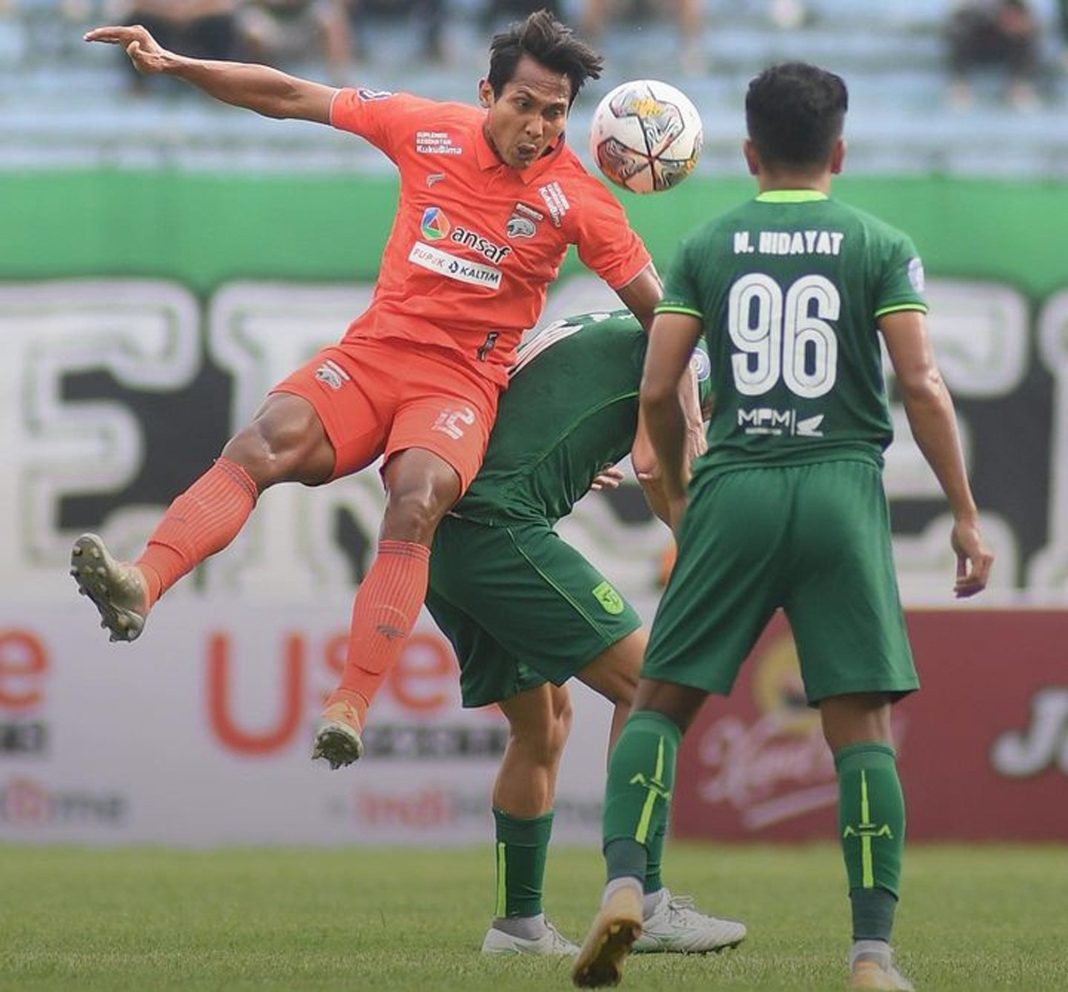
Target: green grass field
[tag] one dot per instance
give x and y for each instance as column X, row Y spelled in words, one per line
column 383, row 920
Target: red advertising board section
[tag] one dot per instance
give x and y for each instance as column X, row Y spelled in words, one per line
column 982, row 747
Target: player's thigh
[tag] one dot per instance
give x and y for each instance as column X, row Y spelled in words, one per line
column 538, row 597
column 489, row 673
column 842, row 600
column 446, row 408
column 352, row 396
column 724, row 585
column 614, row 672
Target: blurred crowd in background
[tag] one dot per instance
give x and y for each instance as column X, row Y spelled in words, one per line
column 1023, row 44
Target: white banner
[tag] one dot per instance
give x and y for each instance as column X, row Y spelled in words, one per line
column 199, row 733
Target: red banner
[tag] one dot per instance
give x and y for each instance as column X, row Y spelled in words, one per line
column 982, row 747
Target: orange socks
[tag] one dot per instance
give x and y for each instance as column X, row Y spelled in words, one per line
column 383, row 615
column 203, row 520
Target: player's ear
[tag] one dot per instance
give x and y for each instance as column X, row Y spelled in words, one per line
column 838, row 156
column 485, row 93
column 752, row 160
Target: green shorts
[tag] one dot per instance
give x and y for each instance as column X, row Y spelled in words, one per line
column 812, row 540
column 520, row 606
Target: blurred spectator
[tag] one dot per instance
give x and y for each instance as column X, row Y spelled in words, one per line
column 284, row 31
column 687, row 13
column 788, row 14
column 203, row 29
column 497, row 13
column 429, row 15
column 999, row 33
column 1062, row 21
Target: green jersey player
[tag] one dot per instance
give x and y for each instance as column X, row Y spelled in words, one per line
column 526, row 612
column 787, row 510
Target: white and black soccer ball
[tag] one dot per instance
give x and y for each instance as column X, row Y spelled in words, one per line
column 646, row 136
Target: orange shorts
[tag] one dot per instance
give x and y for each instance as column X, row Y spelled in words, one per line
column 376, row 397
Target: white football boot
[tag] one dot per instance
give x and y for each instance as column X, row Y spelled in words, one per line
column 551, row 943
column 676, row 927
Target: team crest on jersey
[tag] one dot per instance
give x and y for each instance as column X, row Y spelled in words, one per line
column 609, row 599
column 701, row 365
column 332, row 374
column 524, row 221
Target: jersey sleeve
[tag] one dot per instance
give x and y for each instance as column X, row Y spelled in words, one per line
column 680, row 291
column 701, row 364
column 378, row 116
column 606, row 242
column 902, row 284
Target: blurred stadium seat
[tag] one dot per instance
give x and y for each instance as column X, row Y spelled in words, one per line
column 65, row 101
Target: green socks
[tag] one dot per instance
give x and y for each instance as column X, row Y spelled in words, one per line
column 641, row 776
column 522, row 847
column 871, row 827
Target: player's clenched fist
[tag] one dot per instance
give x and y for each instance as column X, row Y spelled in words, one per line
column 145, row 52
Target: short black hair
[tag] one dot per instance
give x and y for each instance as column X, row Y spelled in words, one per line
column 547, row 41
column 794, row 113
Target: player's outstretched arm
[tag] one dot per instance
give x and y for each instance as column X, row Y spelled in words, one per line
column 256, row 87
column 934, row 426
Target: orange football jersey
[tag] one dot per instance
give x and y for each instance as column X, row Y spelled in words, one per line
column 476, row 243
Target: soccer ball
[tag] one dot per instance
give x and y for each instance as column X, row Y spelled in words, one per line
column 646, row 136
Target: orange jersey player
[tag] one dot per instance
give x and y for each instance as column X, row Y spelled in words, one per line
column 490, row 199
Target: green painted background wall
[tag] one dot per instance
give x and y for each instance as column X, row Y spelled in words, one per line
column 207, row 229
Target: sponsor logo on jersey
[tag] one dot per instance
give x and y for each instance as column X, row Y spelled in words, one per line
column 764, row 420
column 434, row 177
column 451, row 267
column 917, row 279
column 434, row 225
column 524, row 221
column 436, row 143
column 332, row 374
column 610, row 600
column 472, row 239
column 369, row 96
column 556, row 201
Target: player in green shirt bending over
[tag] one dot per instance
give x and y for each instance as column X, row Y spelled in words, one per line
column 526, row 612
column 787, row 510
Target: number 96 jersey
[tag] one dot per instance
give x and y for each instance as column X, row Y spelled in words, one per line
column 789, row 288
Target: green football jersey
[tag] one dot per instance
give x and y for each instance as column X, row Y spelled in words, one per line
column 570, row 410
column 789, row 287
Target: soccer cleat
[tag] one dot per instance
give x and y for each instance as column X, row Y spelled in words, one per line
column 614, row 930
column 117, row 589
column 337, row 738
column 551, row 943
column 676, row 927
column 871, row 966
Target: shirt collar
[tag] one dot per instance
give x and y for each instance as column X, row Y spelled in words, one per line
column 791, row 196
column 487, row 158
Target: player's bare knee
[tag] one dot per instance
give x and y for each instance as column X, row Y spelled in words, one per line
column 412, row 515
column 538, row 747
column 268, row 455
